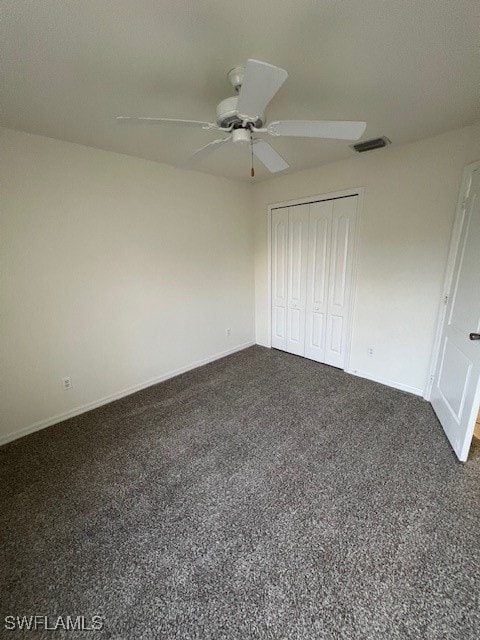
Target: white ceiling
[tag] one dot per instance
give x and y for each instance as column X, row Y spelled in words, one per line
column 410, row 68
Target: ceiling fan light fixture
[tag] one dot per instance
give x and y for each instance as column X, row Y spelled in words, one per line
column 241, row 135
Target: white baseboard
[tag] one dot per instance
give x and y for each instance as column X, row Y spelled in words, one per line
column 362, row 374
column 48, row 422
column 389, row 383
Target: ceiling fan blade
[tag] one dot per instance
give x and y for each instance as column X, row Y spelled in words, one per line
column 336, row 129
column 260, row 83
column 174, row 121
column 205, row 151
column 268, row 156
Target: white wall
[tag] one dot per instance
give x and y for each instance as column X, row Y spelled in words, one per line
column 409, row 206
column 115, row 271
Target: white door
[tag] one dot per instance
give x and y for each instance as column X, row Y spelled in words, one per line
column 297, row 277
column 317, row 279
column 340, row 280
column 279, row 278
column 456, row 389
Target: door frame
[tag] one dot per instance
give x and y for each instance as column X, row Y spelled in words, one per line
column 448, row 279
column 332, row 195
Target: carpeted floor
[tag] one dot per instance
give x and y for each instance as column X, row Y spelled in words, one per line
column 261, row 496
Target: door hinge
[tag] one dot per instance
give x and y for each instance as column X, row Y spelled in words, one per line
column 446, row 298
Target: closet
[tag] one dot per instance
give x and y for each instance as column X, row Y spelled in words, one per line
column 312, row 262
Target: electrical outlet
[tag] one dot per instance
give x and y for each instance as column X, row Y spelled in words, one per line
column 370, row 351
column 67, row 383
column 228, row 331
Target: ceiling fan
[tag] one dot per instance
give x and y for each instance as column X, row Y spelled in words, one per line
column 242, row 117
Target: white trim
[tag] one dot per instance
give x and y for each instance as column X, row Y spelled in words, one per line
column 452, row 256
column 355, row 191
column 269, row 276
column 316, row 198
column 48, row 422
column 353, row 293
column 389, row 383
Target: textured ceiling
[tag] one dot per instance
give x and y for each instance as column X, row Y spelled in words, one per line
column 409, row 68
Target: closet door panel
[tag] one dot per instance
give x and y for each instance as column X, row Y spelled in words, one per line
column 317, row 279
column 341, row 258
column 279, row 278
column 335, row 335
column 295, row 334
column 297, row 277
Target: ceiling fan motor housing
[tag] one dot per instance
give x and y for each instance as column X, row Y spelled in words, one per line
column 228, row 116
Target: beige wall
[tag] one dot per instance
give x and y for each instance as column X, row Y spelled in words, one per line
column 115, row 271
column 118, row 271
column 409, row 206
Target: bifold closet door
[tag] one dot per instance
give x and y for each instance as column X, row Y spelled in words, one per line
column 317, row 279
column 340, row 279
column 312, row 262
column 279, row 278
column 298, row 220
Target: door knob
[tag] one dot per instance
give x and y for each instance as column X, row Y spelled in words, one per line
column 475, row 336
column 317, row 308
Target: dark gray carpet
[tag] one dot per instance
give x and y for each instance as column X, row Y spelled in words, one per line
column 261, row 496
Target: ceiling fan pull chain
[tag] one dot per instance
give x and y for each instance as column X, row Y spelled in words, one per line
column 252, row 170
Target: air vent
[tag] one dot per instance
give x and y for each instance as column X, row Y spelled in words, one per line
column 368, row 145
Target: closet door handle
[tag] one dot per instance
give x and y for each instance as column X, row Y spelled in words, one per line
column 475, row 336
